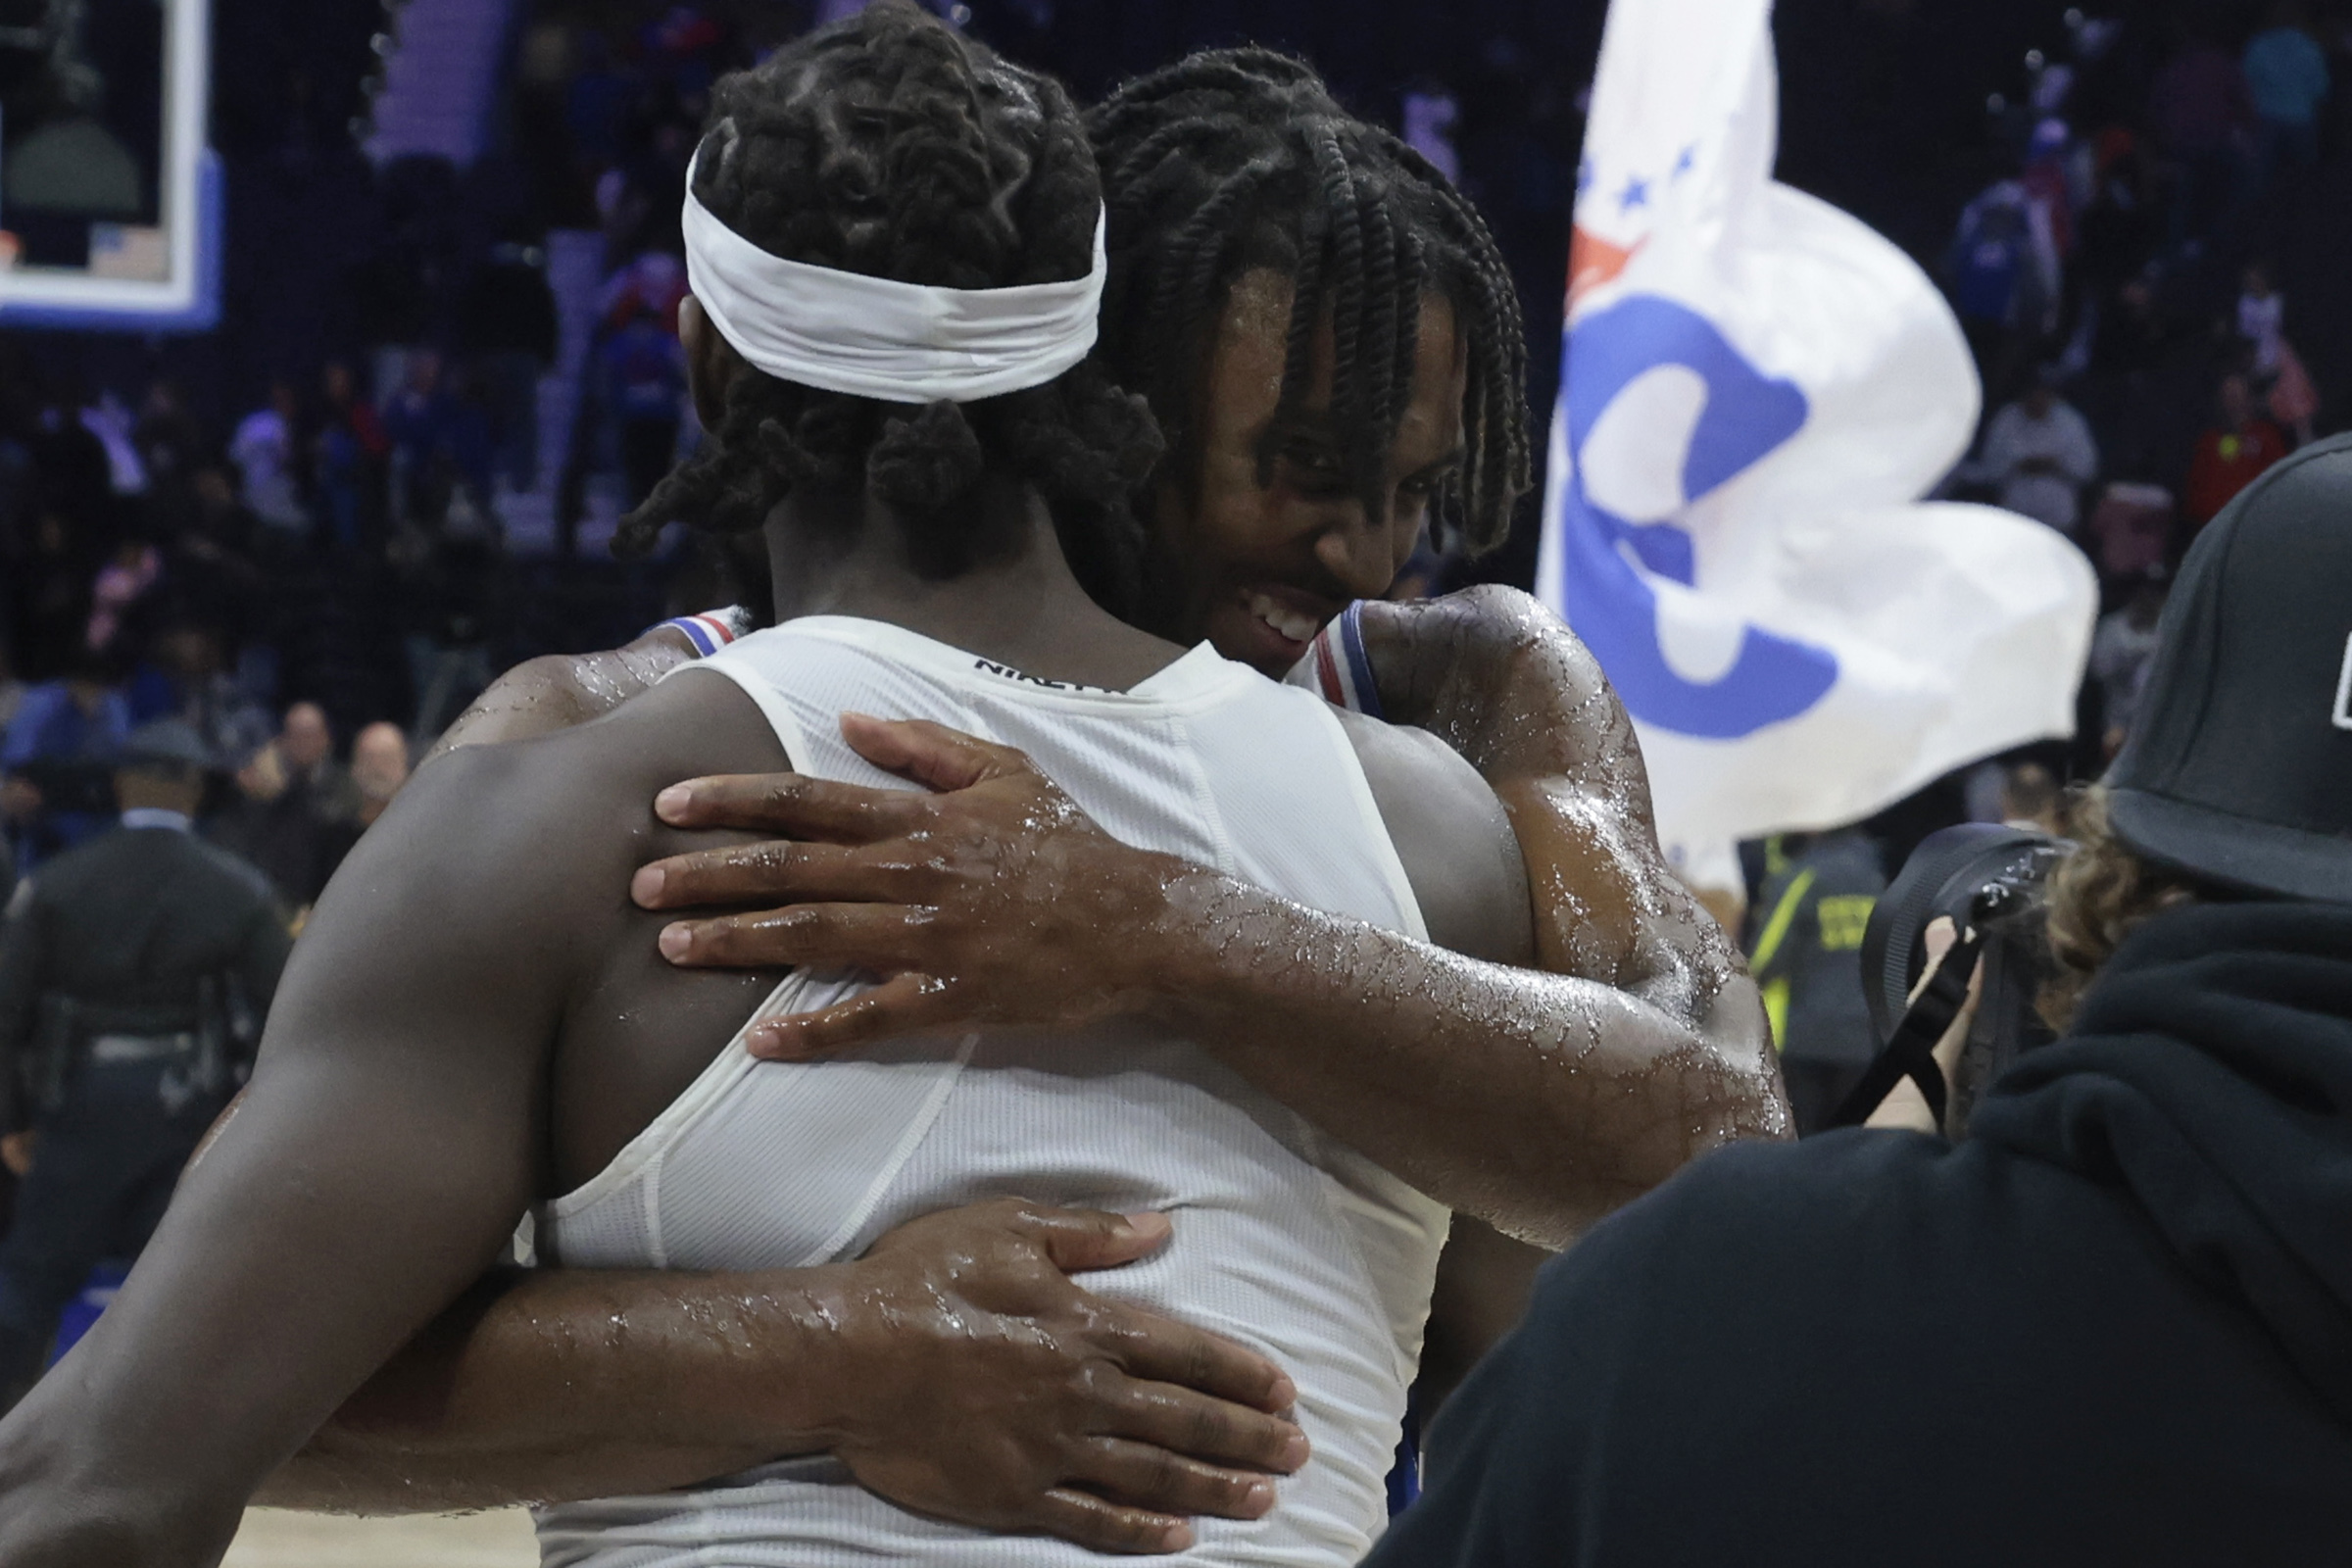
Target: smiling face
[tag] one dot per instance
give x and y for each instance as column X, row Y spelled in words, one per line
column 1257, row 569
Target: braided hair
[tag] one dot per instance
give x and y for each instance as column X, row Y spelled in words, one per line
column 1235, row 159
column 889, row 145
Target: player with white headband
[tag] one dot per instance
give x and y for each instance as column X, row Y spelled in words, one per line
column 474, row 1026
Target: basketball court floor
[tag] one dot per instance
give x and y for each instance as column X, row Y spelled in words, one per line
column 275, row 1538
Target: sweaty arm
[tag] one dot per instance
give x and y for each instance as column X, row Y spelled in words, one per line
column 382, row 1153
column 1513, row 690
column 1534, row 1099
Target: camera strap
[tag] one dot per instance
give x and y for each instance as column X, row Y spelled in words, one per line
column 1911, row 1050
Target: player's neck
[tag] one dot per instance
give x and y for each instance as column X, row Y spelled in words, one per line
column 1021, row 606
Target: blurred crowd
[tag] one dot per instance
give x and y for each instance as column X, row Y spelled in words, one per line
column 318, row 550
column 2121, row 287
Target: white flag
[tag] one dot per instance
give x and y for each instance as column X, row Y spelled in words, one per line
column 1756, row 390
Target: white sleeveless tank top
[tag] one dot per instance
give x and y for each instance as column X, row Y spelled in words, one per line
column 1284, row 1240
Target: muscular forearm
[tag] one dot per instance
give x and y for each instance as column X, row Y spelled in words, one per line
column 1536, row 1101
column 1651, row 979
column 555, row 1384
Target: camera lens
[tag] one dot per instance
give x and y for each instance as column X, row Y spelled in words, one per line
column 1976, row 872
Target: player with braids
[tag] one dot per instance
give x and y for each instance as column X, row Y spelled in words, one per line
column 1241, row 159
column 1332, row 348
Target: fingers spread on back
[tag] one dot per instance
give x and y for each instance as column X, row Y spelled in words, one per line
column 1102, row 1525
column 1212, row 1430
column 1158, row 1351
column 791, row 804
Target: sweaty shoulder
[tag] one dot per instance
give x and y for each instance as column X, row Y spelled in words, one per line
column 1503, row 681
column 556, row 691
column 589, row 785
column 1453, row 838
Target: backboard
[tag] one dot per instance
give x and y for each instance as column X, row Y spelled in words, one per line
column 110, row 202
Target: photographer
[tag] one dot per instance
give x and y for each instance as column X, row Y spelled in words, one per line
column 2112, row 1325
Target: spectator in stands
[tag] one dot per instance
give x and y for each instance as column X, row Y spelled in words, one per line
column 293, row 798
column 2048, row 183
column 264, row 450
column 306, row 745
column 2038, row 453
column 71, row 474
column 644, row 375
column 2200, row 111
column 49, row 595
column 347, row 456
column 508, row 326
column 2261, row 322
column 2231, row 455
column 2131, row 530
column 191, row 665
column 597, row 107
column 104, row 417
column 2030, row 799
column 126, row 579
column 2120, row 224
column 2276, row 370
column 655, row 281
column 2288, row 82
column 57, row 755
column 2121, row 651
column 169, row 442
column 454, row 598
column 422, row 422
column 379, row 766
column 208, row 566
column 2005, row 276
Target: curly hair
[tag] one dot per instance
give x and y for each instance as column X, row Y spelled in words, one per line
column 2099, row 895
column 888, row 144
column 1235, row 159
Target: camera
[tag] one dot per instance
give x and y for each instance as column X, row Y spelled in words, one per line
column 1987, row 880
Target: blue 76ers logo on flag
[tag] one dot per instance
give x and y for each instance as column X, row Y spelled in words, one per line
column 1746, row 415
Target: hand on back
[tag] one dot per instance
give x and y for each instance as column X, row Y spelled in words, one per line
column 993, row 1392
column 995, row 900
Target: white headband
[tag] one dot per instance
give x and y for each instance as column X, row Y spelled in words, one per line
column 872, row 337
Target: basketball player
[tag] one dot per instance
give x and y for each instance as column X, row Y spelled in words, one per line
column 1536, row 1100
column 475, row 1023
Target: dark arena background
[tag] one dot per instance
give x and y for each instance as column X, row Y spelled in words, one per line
column 469, row 179
column 337, row 336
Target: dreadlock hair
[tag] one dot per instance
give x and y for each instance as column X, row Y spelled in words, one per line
column 1235, row 159
column 954, row 169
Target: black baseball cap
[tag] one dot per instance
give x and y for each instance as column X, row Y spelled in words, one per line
column 168, row 743
column 2239, row 770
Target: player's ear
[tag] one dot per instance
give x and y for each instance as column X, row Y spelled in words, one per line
column 712, row 363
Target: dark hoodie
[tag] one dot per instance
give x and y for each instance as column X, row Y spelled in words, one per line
column 2112, row 1327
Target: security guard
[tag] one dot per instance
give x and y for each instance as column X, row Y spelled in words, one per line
column 1819, row 889
column 135, row 971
